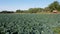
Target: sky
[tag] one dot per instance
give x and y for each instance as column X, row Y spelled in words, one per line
column 13, row 5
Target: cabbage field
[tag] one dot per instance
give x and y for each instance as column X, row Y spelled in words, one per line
column 29, row 23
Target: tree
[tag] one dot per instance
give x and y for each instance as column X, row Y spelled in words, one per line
column 19, row 11
column 46, row 9
column 54, row 6
column 35, row 10
column 7, row 11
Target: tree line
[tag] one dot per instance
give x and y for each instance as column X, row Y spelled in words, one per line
column 53, row 6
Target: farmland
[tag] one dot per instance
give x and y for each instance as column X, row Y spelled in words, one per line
column 29, row 23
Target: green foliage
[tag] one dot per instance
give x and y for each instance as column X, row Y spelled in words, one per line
column 6, row 11
column 19, row 11
column 54, row 6
column 35, row 10
column 56, row 30
column 31, row 10
column 29, row 23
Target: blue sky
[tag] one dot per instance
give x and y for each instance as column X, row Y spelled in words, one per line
column 23, row 4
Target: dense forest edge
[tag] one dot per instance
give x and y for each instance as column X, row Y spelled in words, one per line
column 53, row 7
